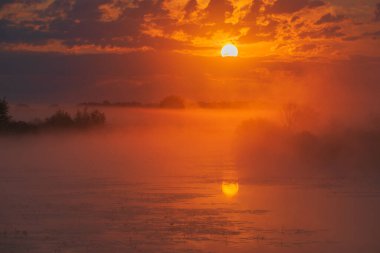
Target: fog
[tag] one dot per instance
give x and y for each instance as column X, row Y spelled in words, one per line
column 152, row 180
column 295, row 148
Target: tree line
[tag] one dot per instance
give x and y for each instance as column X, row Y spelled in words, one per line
column 61, row 119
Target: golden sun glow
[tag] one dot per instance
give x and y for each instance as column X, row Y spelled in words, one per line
column 229, row 50
column 230, row 189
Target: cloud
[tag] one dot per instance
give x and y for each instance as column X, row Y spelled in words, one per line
column 377, row 12
column 109, row 12
column 306, row 47
column 291, row 6
column 326, row 32
column 373, row 35
column 330, row 18
column 190, row 7
column 187, row 26
column 57, row 46
column 218, row 10
column 316, row 4
column 22, row 11
column 286, row 6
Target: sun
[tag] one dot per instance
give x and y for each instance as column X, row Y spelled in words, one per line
column 230, row 189
column 229, row 50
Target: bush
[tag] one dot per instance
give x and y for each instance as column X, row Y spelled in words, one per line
column 16, row 127
column 173, row 102
column 98, row 118
column 59, row 119
column 82, row 119
column 86, row 119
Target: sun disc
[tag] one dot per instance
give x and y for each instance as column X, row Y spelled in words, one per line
column 230, row 189
column 229, row 50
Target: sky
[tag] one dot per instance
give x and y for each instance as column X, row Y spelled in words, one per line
column 326, row 52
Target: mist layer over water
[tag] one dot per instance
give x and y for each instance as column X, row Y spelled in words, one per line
column 175, row 181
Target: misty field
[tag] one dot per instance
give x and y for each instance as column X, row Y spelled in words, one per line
column 188, row 181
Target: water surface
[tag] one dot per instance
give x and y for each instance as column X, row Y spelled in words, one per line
column 160, row 181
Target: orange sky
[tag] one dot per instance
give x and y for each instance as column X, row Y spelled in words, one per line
column 75, row 50
column 260, row 28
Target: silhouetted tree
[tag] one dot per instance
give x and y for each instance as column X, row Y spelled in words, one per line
column 59, row 119
column 174, row 102
column 290, row 114
column 85, row 118
column 298, row 116
column 82, row 119
column 17, row 127
column 98, row 118
column 4, row 112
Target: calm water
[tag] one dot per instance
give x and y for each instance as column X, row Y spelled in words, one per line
column 168, row 182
